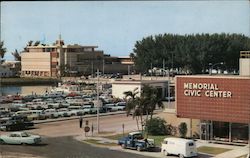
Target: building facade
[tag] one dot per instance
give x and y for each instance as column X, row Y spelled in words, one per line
column 59, row 60
column 221, row 103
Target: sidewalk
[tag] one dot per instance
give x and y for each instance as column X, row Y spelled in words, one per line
column 234, row 153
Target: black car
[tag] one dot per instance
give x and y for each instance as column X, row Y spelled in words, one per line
column 15, row 123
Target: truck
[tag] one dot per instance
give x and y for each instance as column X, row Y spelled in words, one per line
column 135, row 140
column 179, row 146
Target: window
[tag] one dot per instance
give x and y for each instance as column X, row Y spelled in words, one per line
column 25, row 134
column 190, row 144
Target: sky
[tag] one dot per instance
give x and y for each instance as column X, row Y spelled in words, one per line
column 115, row 26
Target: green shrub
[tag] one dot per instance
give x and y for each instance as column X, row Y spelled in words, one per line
column 183, row 129
column 156, row 126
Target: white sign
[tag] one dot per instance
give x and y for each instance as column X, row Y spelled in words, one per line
column 211, row 90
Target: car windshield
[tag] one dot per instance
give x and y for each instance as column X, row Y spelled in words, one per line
column 24, row 134
column 138, row 136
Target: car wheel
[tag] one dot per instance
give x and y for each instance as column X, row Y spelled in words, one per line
column 138, row 148
column 181, row 156
column 2, row 141
column 123, row 146
column 24, row 143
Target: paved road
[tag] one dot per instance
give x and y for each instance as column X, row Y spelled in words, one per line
column 67, row 147
column 59, row 142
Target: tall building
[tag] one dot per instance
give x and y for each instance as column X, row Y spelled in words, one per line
column 59, row 59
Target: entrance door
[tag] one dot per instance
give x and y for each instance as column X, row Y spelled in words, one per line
column 205, row 130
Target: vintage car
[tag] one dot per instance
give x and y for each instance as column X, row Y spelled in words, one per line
column 20, row 138
column 15, row 123
column 135, row 140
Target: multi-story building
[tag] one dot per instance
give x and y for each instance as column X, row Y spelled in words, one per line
column 60, row 59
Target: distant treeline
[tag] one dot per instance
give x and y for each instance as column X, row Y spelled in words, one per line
column 190, row 53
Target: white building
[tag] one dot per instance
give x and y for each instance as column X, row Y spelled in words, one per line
column 121, row 86
column 5, row 71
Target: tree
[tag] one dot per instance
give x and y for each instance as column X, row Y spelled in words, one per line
column 183, row 129
column 16, row 55
column 156, row 126
column 190, row 53
column 152, row 99
column 2, row 50
column 145, row 104
column 132, row 104
column 30, row 43
column 36, row 43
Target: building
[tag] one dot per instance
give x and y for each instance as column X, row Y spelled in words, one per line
column 5, row 71
column 220, row 105
column 121, row 86
column 14, row 66
column 60, row 60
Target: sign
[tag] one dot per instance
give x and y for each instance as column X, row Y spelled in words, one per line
column 216, row 98
column 205, row 89
column 86, row 129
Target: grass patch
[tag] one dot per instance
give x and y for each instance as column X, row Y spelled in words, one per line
column 116, row 137
column 106, row 132
column 212, row 150
column 242, row 156
column 158, row 139
column 97, row 142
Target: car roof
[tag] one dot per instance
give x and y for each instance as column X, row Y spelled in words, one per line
column 178, row 139
column 17, row 132
column 133, row 133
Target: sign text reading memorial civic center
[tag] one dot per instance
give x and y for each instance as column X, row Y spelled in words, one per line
column 205, row 89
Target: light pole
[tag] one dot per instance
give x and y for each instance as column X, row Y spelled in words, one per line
column 212, row 66
column 98, row 104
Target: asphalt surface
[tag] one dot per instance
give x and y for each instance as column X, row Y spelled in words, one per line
column 66, row 147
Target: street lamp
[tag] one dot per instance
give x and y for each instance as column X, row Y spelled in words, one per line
column 212, row 66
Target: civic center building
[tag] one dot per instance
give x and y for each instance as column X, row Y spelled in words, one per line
column 216, row 107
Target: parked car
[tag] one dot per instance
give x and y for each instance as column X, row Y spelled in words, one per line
column 51, row 113
column 178, row 146
column 15, row 125
column 20, row 138
column 63, row 112
column 135, row 140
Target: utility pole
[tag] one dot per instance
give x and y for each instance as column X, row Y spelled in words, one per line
column 128, row 69
column 98, row 104
column 103, row 64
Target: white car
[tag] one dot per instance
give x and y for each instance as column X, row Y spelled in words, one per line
column 20, row 138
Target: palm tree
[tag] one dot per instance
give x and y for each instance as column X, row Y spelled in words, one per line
column 36, row 43
column 16, row 55
column 2, row 51
column 132, row 104
column 30, row 43
column 152, row 99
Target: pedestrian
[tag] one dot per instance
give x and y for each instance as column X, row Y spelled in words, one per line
column 80, row 121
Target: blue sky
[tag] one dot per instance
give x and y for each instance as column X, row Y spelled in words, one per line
column 116, row 26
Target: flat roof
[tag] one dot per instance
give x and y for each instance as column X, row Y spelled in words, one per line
column 138, row 81
column 214, row 76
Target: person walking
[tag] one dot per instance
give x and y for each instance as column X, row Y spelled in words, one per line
column 80, row 121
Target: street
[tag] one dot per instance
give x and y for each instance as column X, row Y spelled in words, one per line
column 59, row 140
column 66, row 147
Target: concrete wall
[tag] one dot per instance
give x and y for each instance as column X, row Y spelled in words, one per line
column 119, row 89
column 35, row 61
column 244, row 66
column 172, row 119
